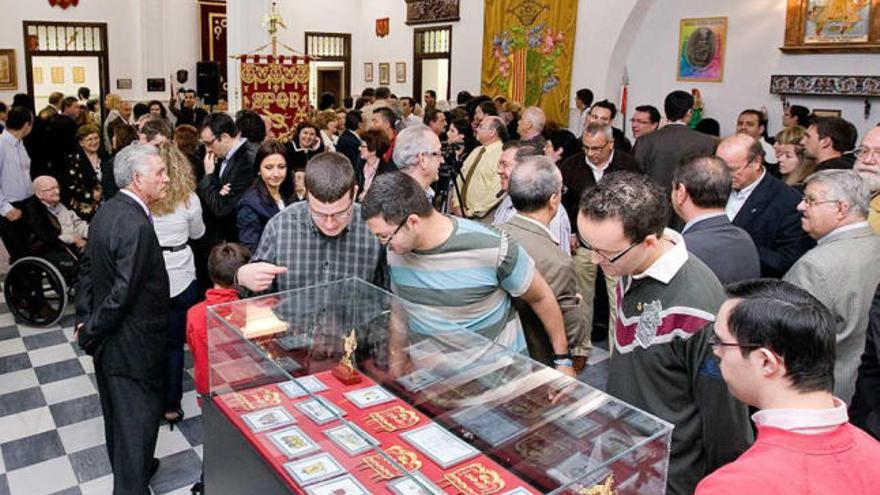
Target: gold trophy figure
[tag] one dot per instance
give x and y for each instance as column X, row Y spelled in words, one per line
column 344, row 371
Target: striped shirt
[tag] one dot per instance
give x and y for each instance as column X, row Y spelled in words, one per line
column 466, row 282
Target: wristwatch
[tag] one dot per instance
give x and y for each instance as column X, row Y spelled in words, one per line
column 563, row 360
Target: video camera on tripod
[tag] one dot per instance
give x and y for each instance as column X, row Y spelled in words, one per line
column 450, row 170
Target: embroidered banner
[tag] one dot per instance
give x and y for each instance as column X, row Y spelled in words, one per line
column 528, row 46
column 277, row 88
column 213, row 27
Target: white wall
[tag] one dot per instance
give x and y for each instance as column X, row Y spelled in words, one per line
column 147, row 38
column 755, row 30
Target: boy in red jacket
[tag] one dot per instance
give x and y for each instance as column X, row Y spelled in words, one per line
column 776, row 344
column 224, row 260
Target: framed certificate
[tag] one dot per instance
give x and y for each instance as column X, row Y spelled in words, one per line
column 419, row 380
column 439, row 445
column 368, row 397
column 344, row 485
column 351, row 439
column 320, row 410
column 314, row 469
column 407, row 486
column 268, row 419
column 293, row 389
column 492, row 427
column 573, row 468
column 312, row 384
column 293, row 442
column 576, row 425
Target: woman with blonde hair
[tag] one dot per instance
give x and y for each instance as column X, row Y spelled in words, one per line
column 794, row 164
column 113, row 104
column 177, row 218
column 328, row 124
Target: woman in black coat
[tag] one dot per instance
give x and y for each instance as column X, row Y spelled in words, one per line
column 81, row 188
column 305, row 144
column 270, row 193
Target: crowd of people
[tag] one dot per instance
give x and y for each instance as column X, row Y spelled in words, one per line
column 739, row 270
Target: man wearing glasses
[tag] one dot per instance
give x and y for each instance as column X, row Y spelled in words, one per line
column 464, row 273
column 776, row 346
column 417, row 153
column 843, row 270
column 662, row 361
column 868, row 167
column 479, row 182
column 319, row 240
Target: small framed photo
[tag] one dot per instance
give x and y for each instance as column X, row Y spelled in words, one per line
column 268, row 419
column 368, row 72
column 123, row 84
column 369, row 397
column 314, row 469
column 384, row 73
column 419, row 380
column 320, row 410
column 400, row 72
column 351, row 439
column 492, row 427
column 312, row 383
column 440, row 445
column 293, row 389
column 826, row 112
column 408, row 486
column 344, row 485
column 8, row 74
column 293, row 442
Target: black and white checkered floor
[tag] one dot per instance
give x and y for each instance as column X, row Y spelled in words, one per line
column 51, row 431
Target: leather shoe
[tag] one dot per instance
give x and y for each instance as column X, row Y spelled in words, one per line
column 579, row 363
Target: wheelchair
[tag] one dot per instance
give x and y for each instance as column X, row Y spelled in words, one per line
column 40, row 282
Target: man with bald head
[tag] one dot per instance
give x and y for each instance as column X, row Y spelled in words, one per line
column 74, row 230
column 763, row 206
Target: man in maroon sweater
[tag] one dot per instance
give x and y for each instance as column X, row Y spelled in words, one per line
column 776, row 345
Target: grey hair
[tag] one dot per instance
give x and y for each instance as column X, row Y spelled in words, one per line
column 596, row 128
column 409, row 144
column 846, row 186
column 133, row 158
column 534, row 116
column 533, row 181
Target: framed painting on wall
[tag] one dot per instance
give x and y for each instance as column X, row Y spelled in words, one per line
column 57, row 75
column 824, row 112
column 384, row 73
column 701, row 44
column 400, row 72
column 8, row 75
column 368, row 72
column 38, row 75
column 79, row 75
column 832, row 26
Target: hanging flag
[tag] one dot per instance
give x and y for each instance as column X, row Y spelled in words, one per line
column 63, row 3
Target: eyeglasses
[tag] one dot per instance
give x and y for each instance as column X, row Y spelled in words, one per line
column 610, row 258
column 643, row 122
column 714, row 341
column 384, row 240
column 339, row 216
column 594, row 149
column 811, row 201
column 433, row 153
column 208, row 143
column 864, row 153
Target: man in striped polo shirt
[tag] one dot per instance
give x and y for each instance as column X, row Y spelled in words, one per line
column 461, row 273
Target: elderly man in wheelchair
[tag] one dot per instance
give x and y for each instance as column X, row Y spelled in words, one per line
column 41, row 278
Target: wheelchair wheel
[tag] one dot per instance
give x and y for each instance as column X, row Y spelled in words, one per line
column 35, row 292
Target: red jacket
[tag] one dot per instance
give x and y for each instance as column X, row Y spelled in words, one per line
column 197, row 333
column 843, row 461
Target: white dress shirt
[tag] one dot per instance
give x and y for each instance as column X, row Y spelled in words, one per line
column 599, row 172
column 175, row 229
column 738, row 198
column 15, row 172
column 804, row 421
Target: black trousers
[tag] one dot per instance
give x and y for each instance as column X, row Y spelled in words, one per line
column 15, row 235
column 132, row 409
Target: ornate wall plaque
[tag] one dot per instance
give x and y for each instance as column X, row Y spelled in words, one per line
column 825, row 85
column 428, row 11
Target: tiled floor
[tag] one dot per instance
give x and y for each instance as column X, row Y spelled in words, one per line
column 51, row 431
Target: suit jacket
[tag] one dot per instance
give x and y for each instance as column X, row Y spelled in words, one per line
column 578, row 177
column 725, row 248
column 770, row 216
column 122, row 293
column 621, row 142
column 219, row 210
column 843, row 272
column 558, row 270
column 661, row 151
column 349, row 145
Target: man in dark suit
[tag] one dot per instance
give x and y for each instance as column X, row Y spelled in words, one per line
column 579, row 173
column 224, row 182
column 763, row 206
column 659, row 152
column 700, row 188
column 349, row 142
column 121, row 313
column 603, row 112
column 61, row 138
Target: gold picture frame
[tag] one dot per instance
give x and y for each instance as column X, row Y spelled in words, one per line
column 400, row 72
column 811, row 26
column 57, row 75
column 384, row 73
column 368, row 72
column 38, row 75
column 79, row 74
column 827, row 112
column 8, row 74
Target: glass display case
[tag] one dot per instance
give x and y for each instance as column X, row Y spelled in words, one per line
column 344, row 389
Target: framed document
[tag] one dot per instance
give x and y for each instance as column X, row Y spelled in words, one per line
column 320, row 410
column 314, row 469
column 293, row 341
column 406, row 485
column 293, row 442
column 368, row 397
column 312, row 384
column 439, row 445
column 351, row 439
column 268, row 419
column 572, row 468
column 419, row 380
column 293, row 389
column 576, row 425
column 492, row 427
column 344, row 485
